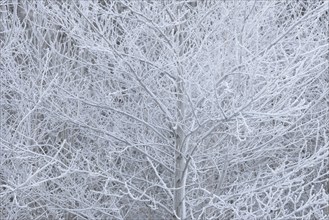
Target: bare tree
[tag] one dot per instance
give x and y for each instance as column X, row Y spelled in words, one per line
column 164, row 109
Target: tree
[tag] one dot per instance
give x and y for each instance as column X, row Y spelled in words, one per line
column 164, row 109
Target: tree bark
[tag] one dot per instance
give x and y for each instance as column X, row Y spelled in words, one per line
column 180, row 160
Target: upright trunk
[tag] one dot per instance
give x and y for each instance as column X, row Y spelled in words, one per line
column 180, row 160
column 182, row 145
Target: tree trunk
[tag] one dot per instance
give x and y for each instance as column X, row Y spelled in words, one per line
column 180, row 160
